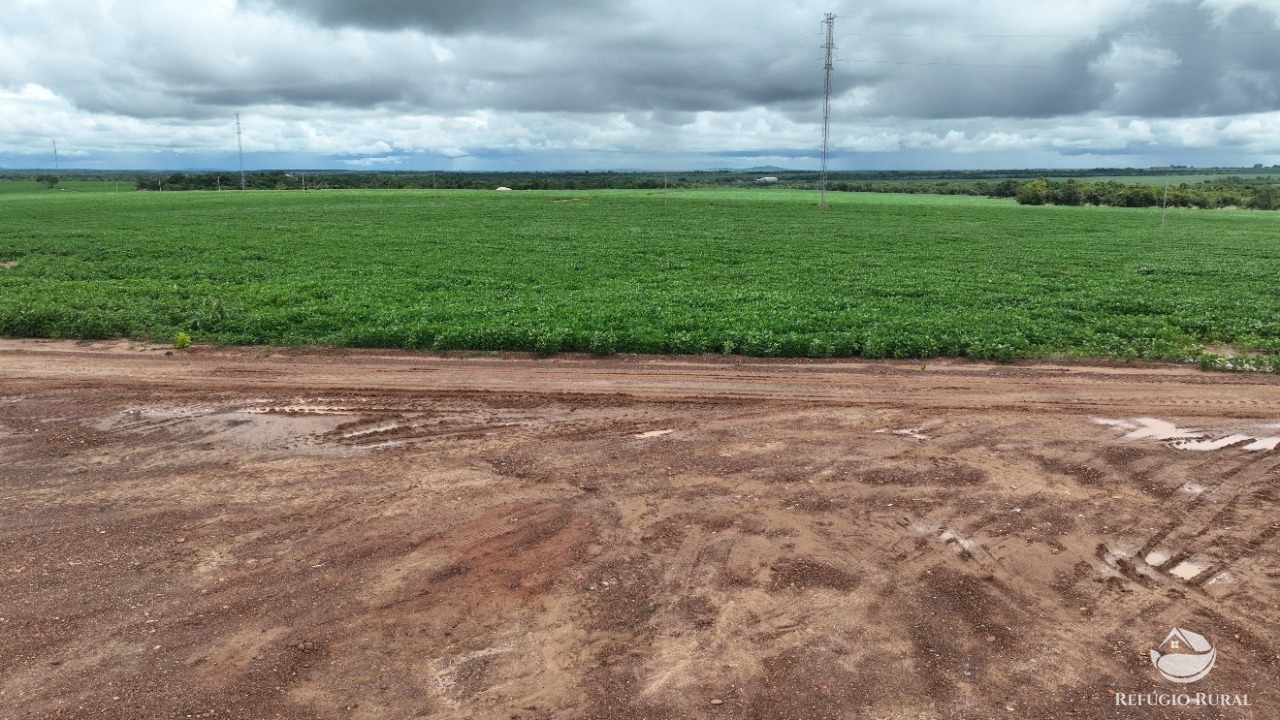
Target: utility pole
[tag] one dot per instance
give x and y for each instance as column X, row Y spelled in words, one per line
column 827, row 68
column 240, row 144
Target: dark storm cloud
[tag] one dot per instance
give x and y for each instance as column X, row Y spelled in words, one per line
column 449, row 17
column 1172, row 59
column 651, row 82
column 1205, row 50
column 949, row 91
column 583, row 56
column 1163, row 60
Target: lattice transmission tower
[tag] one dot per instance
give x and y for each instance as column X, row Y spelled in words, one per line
column 827, row 69
column 240, row 146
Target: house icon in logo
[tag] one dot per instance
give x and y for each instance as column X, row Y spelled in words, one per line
column 1184, row 656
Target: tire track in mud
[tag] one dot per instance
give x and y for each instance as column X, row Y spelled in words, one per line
column 1189, row 547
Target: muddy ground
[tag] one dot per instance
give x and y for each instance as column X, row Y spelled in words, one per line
column 238, row 533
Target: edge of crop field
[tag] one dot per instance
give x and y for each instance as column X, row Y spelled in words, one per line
column 1208, row 359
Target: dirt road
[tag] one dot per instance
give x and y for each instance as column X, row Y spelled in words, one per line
column 233, row 533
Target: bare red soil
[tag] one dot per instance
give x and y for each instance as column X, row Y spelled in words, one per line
column 325, row 534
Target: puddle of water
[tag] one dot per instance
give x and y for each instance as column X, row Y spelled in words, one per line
column 1161, row 430
column 305, row 409
column 1187, row 570
column 1187, row 438
column 1156, row 558
column 1207, row 445
column 382, row 445
column 914, row 432
column 1262, row 444
column 1222, row 578
column 1193, row 488
column 378, row 429
column 150, row 416
column 252, row 427
column 653, row 433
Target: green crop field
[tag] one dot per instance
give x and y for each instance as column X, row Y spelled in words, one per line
column 720, row 271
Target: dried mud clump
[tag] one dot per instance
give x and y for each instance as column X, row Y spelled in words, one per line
column 1084, row 474
column 698, row 610
column 811, row 684
column 520, row 465
column 447, row 572
column 803, row 574
column 621, row 594
column 942, row 472
column 814, row 502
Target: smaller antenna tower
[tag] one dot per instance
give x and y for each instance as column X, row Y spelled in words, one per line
column 57, row 171
column 240, row 145
column 827, row 68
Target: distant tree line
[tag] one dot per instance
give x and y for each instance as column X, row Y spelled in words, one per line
column 1220, row 193
column 1255, row 194
column 280, row 180
column 981, row 188
column 1258, row 192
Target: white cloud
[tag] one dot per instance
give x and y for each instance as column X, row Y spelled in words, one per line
column 367, row 162
column 378, row 83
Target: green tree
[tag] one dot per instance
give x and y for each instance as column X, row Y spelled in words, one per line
column 1266, row 198
column 1071, row 192
column 1005, row 189
column 1033, row 192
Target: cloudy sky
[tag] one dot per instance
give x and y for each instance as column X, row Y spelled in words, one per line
column 619, row 84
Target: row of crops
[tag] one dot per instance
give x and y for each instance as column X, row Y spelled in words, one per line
column 639, row 271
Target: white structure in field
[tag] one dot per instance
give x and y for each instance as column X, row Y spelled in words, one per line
column 766, row 180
